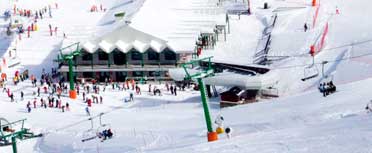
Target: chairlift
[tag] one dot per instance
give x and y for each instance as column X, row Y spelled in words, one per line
column 89, row 134
column 100, row 121
column 102, row 126
column 3, row 130
column 310, row 71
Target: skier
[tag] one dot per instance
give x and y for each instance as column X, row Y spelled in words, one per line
column 87, row 110
column 171, row 89
column 55, row 31
column 11, row 97
column 305, row 27
column 89, row 102
column 22, row 95
column 28, row 31
column 369, row 107
column 167, row 86
column 29, row 107
column 67, row 107
column 131, row 96
column 35, row 103
column 38, row 91
column 175, row 90
column 50, row 30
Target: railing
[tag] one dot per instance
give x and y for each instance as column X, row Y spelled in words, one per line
column 261, row 55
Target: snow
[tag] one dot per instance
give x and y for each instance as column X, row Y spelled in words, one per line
column 300, row 121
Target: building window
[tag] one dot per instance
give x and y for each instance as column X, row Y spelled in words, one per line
column 152, row 55
column 102, row 56
column 119, row 57
column 88, row 74
column 86, row 56
column 137, row 74
column 154, row 73
column 169, row 55
column 136, row 55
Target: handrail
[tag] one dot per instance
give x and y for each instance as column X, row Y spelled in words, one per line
column 22, row 120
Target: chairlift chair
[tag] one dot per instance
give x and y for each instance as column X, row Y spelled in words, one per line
column 4, row 141
column 90, row 133
column 103, row 126
column 310, row 72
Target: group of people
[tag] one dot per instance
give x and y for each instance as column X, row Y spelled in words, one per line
column 103, row 135
column 327, row 88
column 52, row 103
column 35, row 15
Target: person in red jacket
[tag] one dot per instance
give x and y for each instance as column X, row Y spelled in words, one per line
column 89, row 102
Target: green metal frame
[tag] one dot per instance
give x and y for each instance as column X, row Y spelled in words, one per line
column 69, row 57
column 22, row 134
column 199, row 77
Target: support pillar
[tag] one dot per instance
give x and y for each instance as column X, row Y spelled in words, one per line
column 212, row 135
column 224, row 31
column 14, row 144
column 109, row 60
column 142, row 60
column 72, row 93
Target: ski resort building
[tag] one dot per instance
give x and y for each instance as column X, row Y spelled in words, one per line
column 160, row 36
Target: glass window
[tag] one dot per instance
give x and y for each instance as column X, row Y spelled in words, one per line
column 86, row 56
column 169, row 55
column 136, row 55
column 88, row 74
column 154, row 73
column 152, row 55
column 102, row 56
column 137, row 73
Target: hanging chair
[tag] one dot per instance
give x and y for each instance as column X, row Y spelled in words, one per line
column 310, row 72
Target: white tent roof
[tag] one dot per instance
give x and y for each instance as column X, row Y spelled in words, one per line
column 123, row 46
column 90, row 47
column 106, row 46
column 157, row 46
column 141, row 46
column 124, row 39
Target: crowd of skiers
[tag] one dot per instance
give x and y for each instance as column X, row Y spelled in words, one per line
column 94, row 8
column 327, row 88
column 33, row 15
